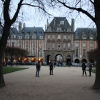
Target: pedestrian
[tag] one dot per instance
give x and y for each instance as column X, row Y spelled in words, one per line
column 37, row 69
column 51, row 67
column 90, row 68
column 84, row 68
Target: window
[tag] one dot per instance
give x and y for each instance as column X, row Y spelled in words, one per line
column 33, row 44
column 26, row 44
column 48, row 36
column 33, row 52
column 76, row 52
column 48, row 46
column 84, row 52
column 64, row 46
column 13, row 44
column 59, row 37
column 68, row 36
column 68, row 46
column 68, row 30
column 53, row 36
column 91, row 37
column 84, row 49
column 26, row 36
column 58, row 46
column 83, row 35
column 41, row 37
column 76, row 49
column 61, row 22
column 58, row 29
column 91, row 46
column 20, row 37
column 64, row 36
column 19, row 43
column 84, row 45
column 33, row 36
column 53, row 46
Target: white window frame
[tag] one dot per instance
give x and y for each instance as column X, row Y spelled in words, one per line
column 26, row 36
column 59, row 36
column 48, row 36
column 64, row 36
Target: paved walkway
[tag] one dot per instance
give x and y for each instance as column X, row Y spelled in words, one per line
column 67, row 83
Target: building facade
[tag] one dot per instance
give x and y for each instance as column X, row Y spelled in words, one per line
column 59, row 42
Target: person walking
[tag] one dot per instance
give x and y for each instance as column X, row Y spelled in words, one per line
column 37, row 69
column 90, row 68
column 84, row 68
column 51, row 67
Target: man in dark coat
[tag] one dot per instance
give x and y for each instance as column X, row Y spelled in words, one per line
column 51, row 68
column 37, row 69
column 84, row 68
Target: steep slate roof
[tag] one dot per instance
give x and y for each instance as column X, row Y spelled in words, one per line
column 87, row 31
column 12, row 31
column 56, row 23
column 38, row 31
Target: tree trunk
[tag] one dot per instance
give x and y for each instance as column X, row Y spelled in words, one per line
column 97, row 22
column 2, row 83
column 97, row 78
column 3, row 42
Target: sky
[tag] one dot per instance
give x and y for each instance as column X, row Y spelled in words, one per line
column 39, row 19
column 33, row 17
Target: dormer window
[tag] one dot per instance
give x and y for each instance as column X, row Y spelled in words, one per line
column 91, row 37
column 83, row 36
column 26, row 36
column 49, row 29
column 68, row 30
column 61, row 22
column 58, row 29
column 13, row 36
column 33, row 36
column 20, row 37
column 41, row 37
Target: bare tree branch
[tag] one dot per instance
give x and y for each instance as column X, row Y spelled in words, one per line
column 77, row 9
column 42, row 8
column 91, row 1
column 17, row 12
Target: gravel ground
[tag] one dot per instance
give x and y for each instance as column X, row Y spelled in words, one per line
column 67, row 83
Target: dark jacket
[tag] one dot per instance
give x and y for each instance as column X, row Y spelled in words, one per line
column 51, row 66
column 83, row 66
column 38, row 66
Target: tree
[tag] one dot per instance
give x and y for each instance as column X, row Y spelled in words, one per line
column 15, row 52
column 8, row 20
column 92, row 55
column 90, row 8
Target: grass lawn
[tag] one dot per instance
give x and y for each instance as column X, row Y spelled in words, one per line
column 11, row 69
column 93, row 70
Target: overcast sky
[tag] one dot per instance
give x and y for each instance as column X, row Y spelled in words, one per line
column 32, row 17
column 39, row 19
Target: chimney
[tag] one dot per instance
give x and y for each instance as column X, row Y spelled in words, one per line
column 73, row 24
column 24, row 25
column 47, row 23
column 20, row 26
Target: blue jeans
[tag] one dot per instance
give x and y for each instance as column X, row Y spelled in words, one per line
column 37, row 73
